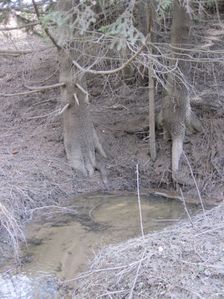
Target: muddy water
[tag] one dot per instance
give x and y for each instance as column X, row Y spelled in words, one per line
column 63, row 243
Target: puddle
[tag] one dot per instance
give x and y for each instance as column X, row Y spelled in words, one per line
column 62, row 244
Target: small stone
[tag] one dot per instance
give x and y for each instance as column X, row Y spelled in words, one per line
column 207, row 272
column 160, row 249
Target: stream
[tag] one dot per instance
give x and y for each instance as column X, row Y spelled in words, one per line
column 61, row 243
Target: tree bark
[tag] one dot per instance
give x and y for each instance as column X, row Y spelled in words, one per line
column 176, row 107
column 80, row 137
column 145, row 21
column 152, row 133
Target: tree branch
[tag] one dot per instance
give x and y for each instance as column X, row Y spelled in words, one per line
column 44, row 28
column 33, row 90
column 14, row 52
column 109, row 72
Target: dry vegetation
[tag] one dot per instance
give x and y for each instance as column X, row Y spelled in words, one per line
column 184, row 261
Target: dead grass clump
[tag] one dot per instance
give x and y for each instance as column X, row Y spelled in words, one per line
column 183, row 261
column 10, row 227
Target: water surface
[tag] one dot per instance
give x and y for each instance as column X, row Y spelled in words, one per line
column 61, row 244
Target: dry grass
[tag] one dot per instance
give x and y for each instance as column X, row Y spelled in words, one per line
column 10, row 226
column 179, row 262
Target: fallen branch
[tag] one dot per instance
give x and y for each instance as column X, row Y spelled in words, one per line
column 14, row 52
column 37, row 89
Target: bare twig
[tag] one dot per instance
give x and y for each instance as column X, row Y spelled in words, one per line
column 137, row 274
column 39, row 88
column 139, row 200
column 84, row 91
column 63, row 109
column 110, row 72
column 195, row 182
column 185, row 207
column 76, row 99
column 92, row 272
column 36, row 89
column 14, row 52
column 44, row 28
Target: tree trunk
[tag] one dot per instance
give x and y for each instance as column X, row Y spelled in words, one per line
column 145, row 20
column 152, row 133
column 176, row 104
column 80, row 137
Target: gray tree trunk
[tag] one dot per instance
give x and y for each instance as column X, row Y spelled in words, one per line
column 176, row 107
column 145, row 21
column 80, row 137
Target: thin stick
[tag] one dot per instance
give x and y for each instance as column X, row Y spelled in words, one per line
column 44, row 28
column 136, row 276
column 63, row 109
column 45, row 87
column 85, row 92
column 82, row 89
column 10, row 54
column 110, row 72
column 37, row 89
column 196, row 185
column 139, row 202
column 76, row 99
column 151, row 95
column 185, row 207
column 13, row 52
